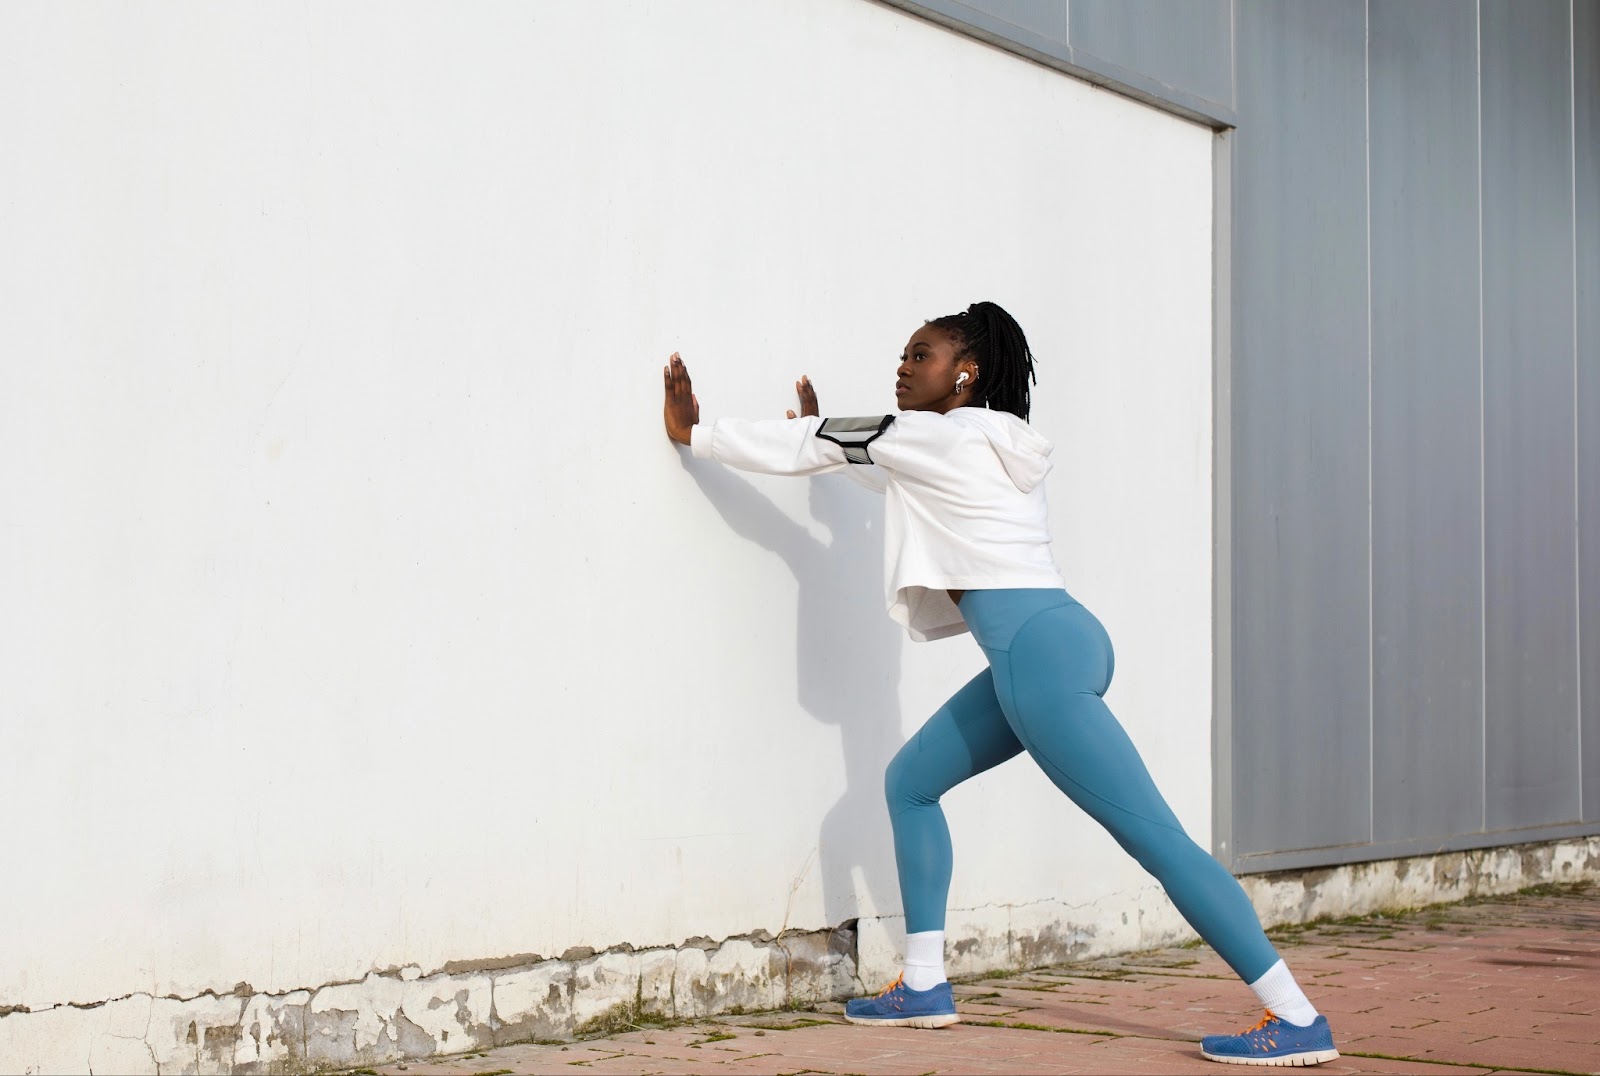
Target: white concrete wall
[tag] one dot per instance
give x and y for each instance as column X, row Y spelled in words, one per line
column 358, row 612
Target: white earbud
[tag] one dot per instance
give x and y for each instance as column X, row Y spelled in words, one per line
column 961, row 378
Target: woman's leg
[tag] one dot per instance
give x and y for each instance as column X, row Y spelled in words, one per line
column 967, row 735
column 1050, row 680
column 1051, row 668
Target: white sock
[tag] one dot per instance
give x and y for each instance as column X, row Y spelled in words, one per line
column 1280, row 993
column 924, row 959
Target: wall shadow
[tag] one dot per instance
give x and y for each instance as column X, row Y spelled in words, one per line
column 847, row 663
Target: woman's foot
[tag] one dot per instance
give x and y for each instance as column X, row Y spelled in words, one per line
column 900, row 1006
column 1273, row 1042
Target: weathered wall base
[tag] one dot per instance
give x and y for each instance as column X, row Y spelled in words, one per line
column 1364, row 888
column 1028, row 935
column 403, row 1013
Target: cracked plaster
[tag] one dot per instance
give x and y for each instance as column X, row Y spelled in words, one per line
column 402, row 1013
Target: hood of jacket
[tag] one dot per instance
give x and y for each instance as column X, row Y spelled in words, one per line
column 1023, row 450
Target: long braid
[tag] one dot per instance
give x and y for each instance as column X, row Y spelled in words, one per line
column 994, row 340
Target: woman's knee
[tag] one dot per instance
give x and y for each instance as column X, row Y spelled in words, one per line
column 1166, row 852
column 900, row 785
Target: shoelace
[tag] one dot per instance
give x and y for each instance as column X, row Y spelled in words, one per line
column 1271, row 1043
column 890, row 988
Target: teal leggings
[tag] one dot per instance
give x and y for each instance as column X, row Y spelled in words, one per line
column 1049, row 664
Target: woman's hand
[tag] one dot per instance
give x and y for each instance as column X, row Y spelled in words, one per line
column 808, row 397
column 681, row 412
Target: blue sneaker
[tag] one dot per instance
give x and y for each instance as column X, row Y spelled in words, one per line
column 1273, row 1042
column 901, row 1006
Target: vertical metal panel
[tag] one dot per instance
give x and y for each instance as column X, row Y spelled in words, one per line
column 1530, row 553
column 1427, row 551
column 1187, row 43
column 1301, row 614
column 1586, row 169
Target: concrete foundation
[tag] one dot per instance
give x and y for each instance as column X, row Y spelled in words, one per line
column 408, row 1013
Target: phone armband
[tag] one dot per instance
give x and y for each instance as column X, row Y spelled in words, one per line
column 855, row 434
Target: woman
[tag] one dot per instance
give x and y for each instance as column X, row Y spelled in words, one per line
column 968, row 548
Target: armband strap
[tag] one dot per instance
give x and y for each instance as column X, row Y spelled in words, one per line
column 854, row 434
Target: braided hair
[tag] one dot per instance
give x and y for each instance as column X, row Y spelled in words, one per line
column 992, row 338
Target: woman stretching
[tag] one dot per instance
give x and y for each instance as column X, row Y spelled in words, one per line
column 967, row 548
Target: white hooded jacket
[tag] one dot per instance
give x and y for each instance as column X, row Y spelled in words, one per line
column 965, row 504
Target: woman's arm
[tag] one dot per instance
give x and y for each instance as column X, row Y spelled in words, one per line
column 777, row 446
column 789, row 446
column 873, row 478
column 768, row 446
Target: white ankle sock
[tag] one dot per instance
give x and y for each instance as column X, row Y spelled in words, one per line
column 924, row 959
column 1279, row 992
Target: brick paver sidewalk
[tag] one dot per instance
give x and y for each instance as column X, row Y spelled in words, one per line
column 1511, row 985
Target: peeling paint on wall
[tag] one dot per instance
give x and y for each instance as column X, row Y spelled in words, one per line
column 402, row 1013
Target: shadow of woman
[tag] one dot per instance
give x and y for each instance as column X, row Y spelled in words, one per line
column 847, row 666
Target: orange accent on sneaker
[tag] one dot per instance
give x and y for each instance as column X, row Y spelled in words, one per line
column 902, row 978
column 1264, row 1021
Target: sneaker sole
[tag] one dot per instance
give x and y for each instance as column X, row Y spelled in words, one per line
column 941, row 1020
column 1310, row 1057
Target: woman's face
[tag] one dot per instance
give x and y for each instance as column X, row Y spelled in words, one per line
column 926, row 379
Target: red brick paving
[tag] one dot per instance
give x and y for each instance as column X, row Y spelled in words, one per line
column 1506, row 986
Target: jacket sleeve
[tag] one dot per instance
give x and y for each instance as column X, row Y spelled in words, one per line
column 910, row 443
column 787, row 446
